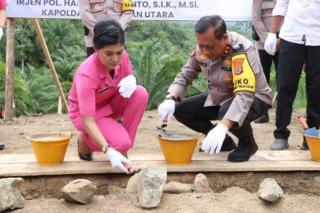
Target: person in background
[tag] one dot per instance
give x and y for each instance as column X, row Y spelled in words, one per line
column 261, row 21
column 103, row 91
column 92, row 11
column 3, row 5
column 238, row 90
column 299, row 44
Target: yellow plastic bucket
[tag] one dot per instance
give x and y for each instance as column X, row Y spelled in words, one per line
column 314, row 146
column 50, row 148
column 178, row 151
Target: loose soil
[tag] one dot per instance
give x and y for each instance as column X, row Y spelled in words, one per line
column 232, row 192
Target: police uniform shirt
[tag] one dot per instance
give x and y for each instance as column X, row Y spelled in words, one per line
column 93, row 11
column 237, row 75
column 262, row 19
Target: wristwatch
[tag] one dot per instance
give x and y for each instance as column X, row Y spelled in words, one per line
column 170, row 97
column 105, row 148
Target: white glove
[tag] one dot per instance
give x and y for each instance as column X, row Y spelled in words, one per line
column 1, row 33
column 117, row 159
column 166, row 110
column 270, row 45
column 127, row 86
column 214, row 140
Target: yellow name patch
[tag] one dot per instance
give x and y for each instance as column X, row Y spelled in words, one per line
column 244, row 79
column 127, row 5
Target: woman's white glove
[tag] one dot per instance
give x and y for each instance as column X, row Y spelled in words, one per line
column 166, row 110
column 270, row 45
column 117, row 160
column 214, row 140
column 127, row 86
column 1, row 33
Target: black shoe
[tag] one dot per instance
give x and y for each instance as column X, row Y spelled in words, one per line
column 304, row 145
column 2, row 146
column 245, row 149
column 85, row 156
column 228, row 145
column 263, row 119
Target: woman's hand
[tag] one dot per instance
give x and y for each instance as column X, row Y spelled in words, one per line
column 118, row 161
column 127, row 86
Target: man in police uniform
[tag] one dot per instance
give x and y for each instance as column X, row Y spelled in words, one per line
column 92, row 11
column 238, row 91
column 261, row 21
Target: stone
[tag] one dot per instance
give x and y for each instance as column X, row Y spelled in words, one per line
column 177, row 188
column 201, row 183
column 269, row 190
column 10, row 195
column 132, row 188
column 79, row 190
column 151, row 186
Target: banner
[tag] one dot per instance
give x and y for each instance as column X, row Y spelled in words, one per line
column 230, row 10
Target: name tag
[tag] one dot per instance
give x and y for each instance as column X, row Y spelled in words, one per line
column 103, row 89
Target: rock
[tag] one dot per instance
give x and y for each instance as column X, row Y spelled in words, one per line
column 79, row 190
column 269, row 190
column 176, row 187
column 132, row 188
column 10, row 195
column 151, row 186
column 201, row 183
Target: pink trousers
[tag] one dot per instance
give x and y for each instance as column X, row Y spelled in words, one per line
column 121, row 136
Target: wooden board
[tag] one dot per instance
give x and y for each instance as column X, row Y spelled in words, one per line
column 12, row 165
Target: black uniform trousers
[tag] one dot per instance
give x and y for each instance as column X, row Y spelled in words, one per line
column 192, row 113
column 266, row 62
column 292, row 56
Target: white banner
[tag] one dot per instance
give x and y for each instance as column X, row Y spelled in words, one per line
column 230, row 10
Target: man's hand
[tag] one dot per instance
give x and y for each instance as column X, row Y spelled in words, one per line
column 270, row 45
column 127, row 86
column 214, row 140
column 166, row 110
column 117, row 160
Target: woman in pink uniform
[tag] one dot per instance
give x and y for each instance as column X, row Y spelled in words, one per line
column 3, row 5
column 103, row 91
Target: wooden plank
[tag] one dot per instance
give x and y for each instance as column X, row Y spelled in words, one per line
column 265, row 155
column 68, row 168
column 288, row 160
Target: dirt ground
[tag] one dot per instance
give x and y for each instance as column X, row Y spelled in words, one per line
column 233, row 199
column 13, row 133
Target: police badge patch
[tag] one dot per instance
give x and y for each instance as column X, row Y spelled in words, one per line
column 238, row 66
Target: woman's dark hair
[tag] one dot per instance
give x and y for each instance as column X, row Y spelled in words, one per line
column 107, row 33
column 214, row 21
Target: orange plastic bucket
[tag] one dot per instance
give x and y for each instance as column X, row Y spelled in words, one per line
column 178, row 151
column 50, row 148
column 314, row 146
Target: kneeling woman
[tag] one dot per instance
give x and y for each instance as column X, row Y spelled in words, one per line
column 104, row 91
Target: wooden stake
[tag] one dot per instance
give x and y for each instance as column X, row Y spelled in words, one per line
column 9, row 88
column 50, row 63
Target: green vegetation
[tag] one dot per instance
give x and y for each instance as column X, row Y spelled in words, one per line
column 157, row 51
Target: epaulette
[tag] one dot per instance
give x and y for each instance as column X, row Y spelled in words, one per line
column 240, row 49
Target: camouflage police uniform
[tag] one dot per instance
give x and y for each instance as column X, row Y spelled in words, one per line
column 237, row 90
column 93, row 11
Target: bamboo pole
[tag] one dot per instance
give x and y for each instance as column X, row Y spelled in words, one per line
column 50, row 63
column 9, row 87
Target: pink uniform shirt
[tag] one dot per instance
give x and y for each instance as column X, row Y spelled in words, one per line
column 93, row 87
column 3, row 4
